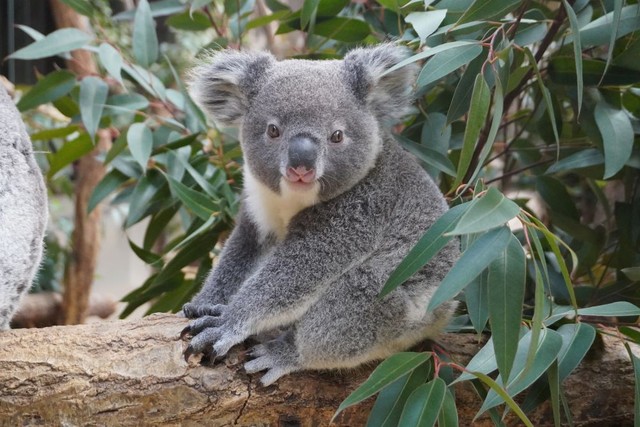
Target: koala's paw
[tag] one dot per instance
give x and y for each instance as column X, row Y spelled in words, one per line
column 194, row 310
column 212, row 341
column 276, row 357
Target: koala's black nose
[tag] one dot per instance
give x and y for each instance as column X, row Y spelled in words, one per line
column 302, row 153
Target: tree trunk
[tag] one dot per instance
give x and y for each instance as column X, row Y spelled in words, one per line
column 132, row 373
column 85, row 239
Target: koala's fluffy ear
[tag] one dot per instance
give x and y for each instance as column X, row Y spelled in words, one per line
column 390, row 95
column 224, row 85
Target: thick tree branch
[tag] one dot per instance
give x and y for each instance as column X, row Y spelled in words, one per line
column 132, row 373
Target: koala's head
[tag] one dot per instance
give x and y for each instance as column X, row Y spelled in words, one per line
column 307, row 125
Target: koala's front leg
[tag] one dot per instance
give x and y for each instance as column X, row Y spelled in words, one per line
column 237, row 260
column 314, row 254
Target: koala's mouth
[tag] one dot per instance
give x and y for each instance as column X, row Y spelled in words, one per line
column 300, row 176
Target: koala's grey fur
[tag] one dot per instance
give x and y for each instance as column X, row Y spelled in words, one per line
column 311, row 258
column 23, row 210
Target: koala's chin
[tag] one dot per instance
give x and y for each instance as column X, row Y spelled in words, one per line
column 331, row 205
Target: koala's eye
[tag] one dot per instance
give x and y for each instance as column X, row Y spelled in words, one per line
column 273, row 131
column 337, row 136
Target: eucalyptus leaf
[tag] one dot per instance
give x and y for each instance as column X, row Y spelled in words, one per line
column 489, row 211
column 140, row 142
column 473, row 261
column 145, row 40
column 387, row 372
column 617, row 137
column 49, row 88
column 55, row 43
column 93, row 95
column 111, row 60
column 423, row 405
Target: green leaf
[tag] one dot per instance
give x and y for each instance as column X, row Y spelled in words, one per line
column 197, row 249
column 476, row 296
column 426, row 23
column 506, row 279
column 577, row 51
column 34, row 34
column 197, row 176
column 111, row 60
column 614, row 309
column 502, row 393
column 473, row 261
column 330, row 8
column 427, row 247
column 427, row 155
column 140, row 141
column 145, row 40
column 546, row 95
column 577, row 339
column 93, row 95
column 83, row 7
column 189, row 21
column 423, row 405
column 581, row 159
column 386, row 373
column 387, row 410
column 54, row 133
column 154, row 260
column 448, row 416
column 69, row 153
column 146, row 189
column 343, row 29
column 157, row 224
column 480, row 100
column 487, row 10
column 147, row 80
column 486, row 212
column 555, row 195
column 484, row 361
column 266, row 19
column 598, row 31
column 546, row 353
column 197, row 202
column 128, row 101
column 562, row 70
column 53, row 86
column 462, row 95
column 59, row 41
column 617, row 137
column 428, row 52
column 199, row 4
column 446, row 62
column 111, row 181
column 308, row 12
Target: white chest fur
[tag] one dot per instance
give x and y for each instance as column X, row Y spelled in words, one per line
column 271, row 211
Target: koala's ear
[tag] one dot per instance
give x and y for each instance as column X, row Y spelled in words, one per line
column 224, row 85
column 388, row 95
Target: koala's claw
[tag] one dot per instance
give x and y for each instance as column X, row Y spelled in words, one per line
column 186, row 331
column 189, row 351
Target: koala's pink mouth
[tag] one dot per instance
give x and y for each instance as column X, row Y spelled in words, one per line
column 300, row 175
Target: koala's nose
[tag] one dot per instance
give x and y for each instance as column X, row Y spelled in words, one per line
column 302, row 154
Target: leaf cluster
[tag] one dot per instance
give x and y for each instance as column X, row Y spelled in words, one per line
column 527, row 115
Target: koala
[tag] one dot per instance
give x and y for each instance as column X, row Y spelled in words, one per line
column 23, row 210
column 330, row 206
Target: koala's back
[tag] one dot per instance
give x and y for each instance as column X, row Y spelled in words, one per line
column 23, row 210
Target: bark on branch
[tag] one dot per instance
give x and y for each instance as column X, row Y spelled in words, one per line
column 132, row 373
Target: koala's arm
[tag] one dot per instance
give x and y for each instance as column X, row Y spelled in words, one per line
column 237, row 260
column 322, row 243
